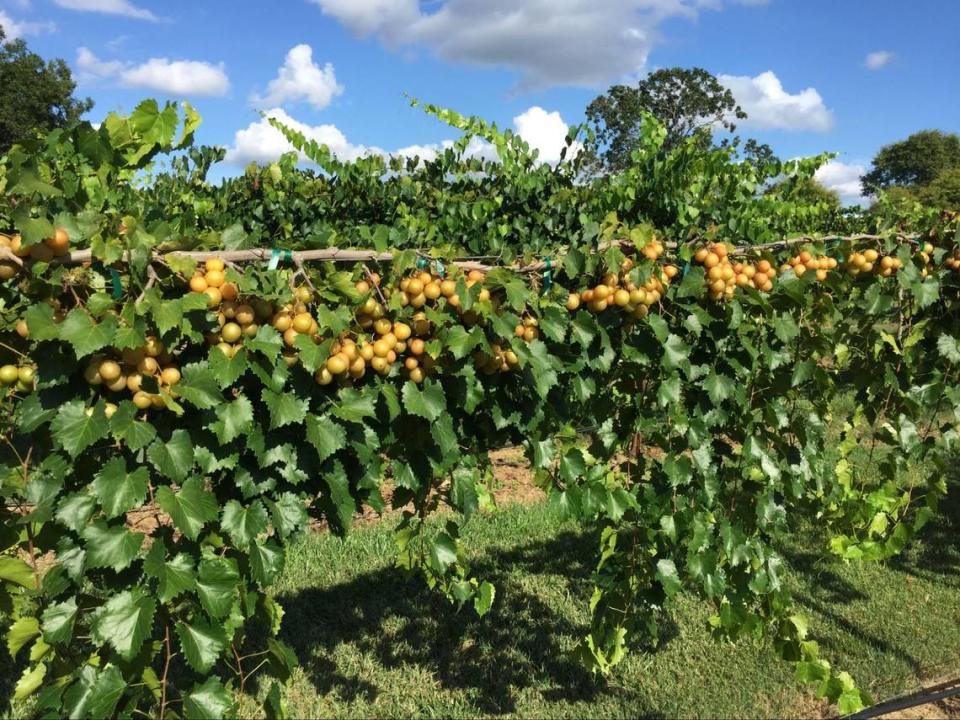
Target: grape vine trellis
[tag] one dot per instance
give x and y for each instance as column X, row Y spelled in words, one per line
column 172, row 426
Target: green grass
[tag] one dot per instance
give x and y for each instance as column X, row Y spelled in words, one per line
column 375, row 642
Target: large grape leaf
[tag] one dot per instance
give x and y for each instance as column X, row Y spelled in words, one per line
column 124, row 622
column 202, row 643
column 119, row 490
column 190, row 508
column 113, row 547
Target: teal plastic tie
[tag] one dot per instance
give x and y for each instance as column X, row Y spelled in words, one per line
column 548, row 275
column 441, row 270
column 117, row 287
column 422, row 263
column 274, row 259
column 276, row 255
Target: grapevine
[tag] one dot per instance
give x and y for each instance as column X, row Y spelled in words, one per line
column 195, row 373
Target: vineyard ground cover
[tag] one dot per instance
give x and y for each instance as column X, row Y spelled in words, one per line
column 374, row 642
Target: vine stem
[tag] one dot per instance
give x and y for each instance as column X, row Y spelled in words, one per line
column 13, row 350
column 166, row 670
column 335, row 254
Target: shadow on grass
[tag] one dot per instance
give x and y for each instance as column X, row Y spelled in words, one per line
column 394, row 618
column 937, row 554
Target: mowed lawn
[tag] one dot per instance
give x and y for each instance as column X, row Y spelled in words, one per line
column 375, row 642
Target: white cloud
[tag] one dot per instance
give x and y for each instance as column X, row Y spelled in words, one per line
column 176, row 77
column 876, row 60
column 109, row 7
column 844, row 178
column 549, row 42
column 90, row 67
column 769, row 106
column 299, row 78
column 14, row 29
column 546, row 132
column 261, row 142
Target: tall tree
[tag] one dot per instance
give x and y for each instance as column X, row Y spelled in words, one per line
column 914, row 162
column 34, row 94
column 943, row 192
column 688, row 102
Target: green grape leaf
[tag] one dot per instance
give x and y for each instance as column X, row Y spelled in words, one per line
column 354, row 405
column 124, row 622
column 202, row 643
column 227, row 370
column 288, row 514
column 112, row 547
column 429, row 403
column 119, row 490
column 75, row 430
column 209, row 701
column 217, row 582
column 234, row 419
column 21, row 632
column 95, row 694
column 173, row 459
column 199, row 386
column 326, row 435
column 58, row 620
column 190, row 508
column 285, row 408
column 175, row 576
column 266, row 562
column 85, row 334
column 243, row 524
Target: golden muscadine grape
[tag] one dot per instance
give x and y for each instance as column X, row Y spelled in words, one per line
column 9, row 374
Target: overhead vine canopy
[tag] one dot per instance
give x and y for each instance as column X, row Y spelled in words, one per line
column 194, row 372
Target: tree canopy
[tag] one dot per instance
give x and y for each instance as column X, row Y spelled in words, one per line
column 34, row 94
column 914, row 162
column 687, row 102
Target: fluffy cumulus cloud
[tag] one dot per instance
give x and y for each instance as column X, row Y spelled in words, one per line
column 544, row 131
column 769, row 106
column 173, row 77
column 878, row 59
column 14, row 29
column 549, row 42
column 261, row 142
column 844, row 178
column 300, row 79
column 109, row 7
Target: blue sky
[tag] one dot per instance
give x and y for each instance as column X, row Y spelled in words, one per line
column 814, row 75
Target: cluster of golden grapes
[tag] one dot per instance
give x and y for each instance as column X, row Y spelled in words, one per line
column 619, row 291
column 723, row 276
column 292, row 320
column 53, row 246
column 952, row 261
column 528, row 329
column 239, row 320
column 212, row 281
column 19, row 376
column 870, row 261
column 926, row 254
column 393, row 341
column 805, row 261
column 652, row 250
column 125, row 371
column 496, row 360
